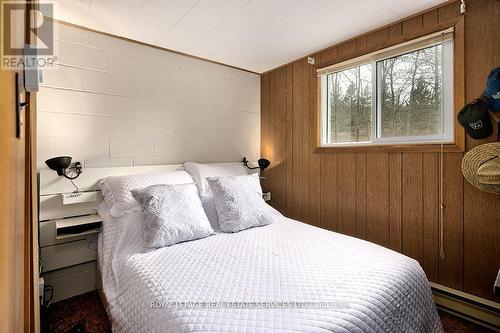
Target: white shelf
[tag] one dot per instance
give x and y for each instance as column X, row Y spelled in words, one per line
column 75, row 222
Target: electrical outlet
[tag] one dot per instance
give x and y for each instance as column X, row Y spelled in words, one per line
column 266, row 196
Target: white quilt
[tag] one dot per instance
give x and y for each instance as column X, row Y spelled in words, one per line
column 284, row 277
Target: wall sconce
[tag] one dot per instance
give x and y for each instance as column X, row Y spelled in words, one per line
column 61, row 163
column 263, row 163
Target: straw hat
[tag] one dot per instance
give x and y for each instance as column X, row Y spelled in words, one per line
column 481, row 167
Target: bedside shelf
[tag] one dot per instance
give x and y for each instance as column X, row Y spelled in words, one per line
column 78, row 226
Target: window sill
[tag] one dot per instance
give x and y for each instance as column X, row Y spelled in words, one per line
column 409, row 148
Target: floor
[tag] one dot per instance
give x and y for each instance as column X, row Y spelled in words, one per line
column 85, row 313
column 86, row 310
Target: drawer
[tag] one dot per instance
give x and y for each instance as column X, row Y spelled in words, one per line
column 72, row 281
column 67, row 254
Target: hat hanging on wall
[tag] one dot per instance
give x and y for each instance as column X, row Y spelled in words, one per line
column 481, row 167
column 475, row 118
column 492, row 91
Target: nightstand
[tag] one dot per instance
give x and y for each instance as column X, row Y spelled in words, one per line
column 69, row 263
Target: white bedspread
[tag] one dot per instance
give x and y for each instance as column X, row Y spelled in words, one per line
column 309, row 280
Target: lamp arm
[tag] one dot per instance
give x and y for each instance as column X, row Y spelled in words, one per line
column 245, row 163
column 71, row 178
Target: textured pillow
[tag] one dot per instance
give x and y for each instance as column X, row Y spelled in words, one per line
column 200, row 172
column 172, row 214
column 239, row 202
column 116, row 189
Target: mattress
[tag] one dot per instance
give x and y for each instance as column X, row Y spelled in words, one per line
column 284, row 277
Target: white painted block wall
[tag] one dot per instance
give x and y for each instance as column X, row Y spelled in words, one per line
column 111, row 102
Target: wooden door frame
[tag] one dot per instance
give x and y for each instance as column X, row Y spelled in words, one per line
column 32, row 307
column 19, row 228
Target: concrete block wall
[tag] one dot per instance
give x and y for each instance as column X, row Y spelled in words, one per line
column 111, row 102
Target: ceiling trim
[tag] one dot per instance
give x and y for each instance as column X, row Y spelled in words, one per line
column 150, row 45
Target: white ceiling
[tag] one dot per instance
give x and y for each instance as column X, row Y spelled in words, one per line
column 256, row 35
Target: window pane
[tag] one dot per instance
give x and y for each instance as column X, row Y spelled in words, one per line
column 411, row 94
column 349, row 105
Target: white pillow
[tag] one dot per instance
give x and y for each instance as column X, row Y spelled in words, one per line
column 172, row 214
column 239, row 202
column 116, row 189
column 200, row 172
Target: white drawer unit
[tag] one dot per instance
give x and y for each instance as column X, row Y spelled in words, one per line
column 68, row 260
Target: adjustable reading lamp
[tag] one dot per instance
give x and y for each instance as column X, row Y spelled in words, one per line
column 61, row 163
column 263, row 163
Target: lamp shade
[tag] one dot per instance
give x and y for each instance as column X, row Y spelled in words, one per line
column 59, row 164
column 263, row 163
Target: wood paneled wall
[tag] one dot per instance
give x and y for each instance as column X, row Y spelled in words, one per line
column 391, row 199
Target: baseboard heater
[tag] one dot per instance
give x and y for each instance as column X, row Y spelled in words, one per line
column 466, row 306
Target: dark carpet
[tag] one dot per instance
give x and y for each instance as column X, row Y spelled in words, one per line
column 86, row 313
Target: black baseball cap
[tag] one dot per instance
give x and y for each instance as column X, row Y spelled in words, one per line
column 474, row 117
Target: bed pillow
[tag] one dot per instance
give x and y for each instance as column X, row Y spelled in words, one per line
column 116, row 189
column 239, row 203
column 200, row 172
column 171, row 214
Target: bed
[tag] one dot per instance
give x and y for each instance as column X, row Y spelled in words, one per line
column 284, row 277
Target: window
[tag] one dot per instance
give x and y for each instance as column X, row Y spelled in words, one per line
column 401, row 95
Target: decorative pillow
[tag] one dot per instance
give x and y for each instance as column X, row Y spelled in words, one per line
column 239, row 202
column 200, row 172
column 172, row 214
column 116, row 189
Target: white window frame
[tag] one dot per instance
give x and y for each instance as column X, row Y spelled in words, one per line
column 445, row 38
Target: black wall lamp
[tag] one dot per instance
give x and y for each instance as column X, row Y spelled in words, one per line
column 263, row 163
column 61, row 163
